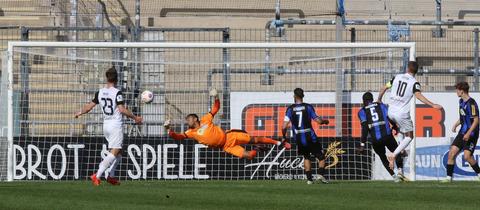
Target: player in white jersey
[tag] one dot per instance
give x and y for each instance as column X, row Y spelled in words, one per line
column 111, row 102
column 403, row 88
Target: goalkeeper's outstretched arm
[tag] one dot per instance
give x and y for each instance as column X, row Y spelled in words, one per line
column 216, row 104
column 172, row 133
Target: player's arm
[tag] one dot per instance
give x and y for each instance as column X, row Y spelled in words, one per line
column 474, row 113
column 363, row 139
column 171, row 133
column 423, row 99
column 384, row 89
column 286, row 123
column 284, row 130
column 470, row 130
column 363, row 120
column 216, row 104
column 85, row 109
column 315, row 117
column 321, row 121
column 454, row 128
column 122, row 109
column 88, row 107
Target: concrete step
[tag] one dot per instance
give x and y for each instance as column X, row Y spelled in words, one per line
column 26, row 20
column 56, row 129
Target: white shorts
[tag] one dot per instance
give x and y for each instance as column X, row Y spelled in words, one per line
column 114, row 136
column 403, row 121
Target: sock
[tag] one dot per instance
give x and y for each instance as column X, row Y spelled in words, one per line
column 403, row 144
column 400, row 170
column 265, row 140
column 399, row 162
column 386, row 163
column 400, row 137
column 450, row 170
column 113, row 167
column 476, row 168
column 106, row 163
column 309, row 175
column 321, row 171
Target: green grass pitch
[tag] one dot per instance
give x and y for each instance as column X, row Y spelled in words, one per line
column 239, row 195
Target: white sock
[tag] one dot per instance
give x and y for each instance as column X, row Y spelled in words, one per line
column 400, row 171
column 113, row 167
column 400, row 137
column 106, row 163
column 403, row 144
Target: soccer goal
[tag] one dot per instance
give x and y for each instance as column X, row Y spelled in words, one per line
column 45, row 83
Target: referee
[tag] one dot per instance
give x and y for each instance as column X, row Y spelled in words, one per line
column 300, row 116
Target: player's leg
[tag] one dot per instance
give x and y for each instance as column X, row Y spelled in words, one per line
column 235, row 138
column 452, row 153
column 321, row 163
column 113, row 168
column 469, row 149
column 116, row 145
column 307, row 163
column 315, row 148
column 114, row 136
column 405, row 125
column 240, row 152
column 379, row 149
column 392, row 144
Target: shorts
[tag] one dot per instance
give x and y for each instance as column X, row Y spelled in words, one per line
column 235, row 138
column 114, row 136
column 311, row 149
column 465, row 145
column 387, row 141
column 403, row 121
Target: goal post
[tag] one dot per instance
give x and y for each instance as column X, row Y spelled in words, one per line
column 180, row 74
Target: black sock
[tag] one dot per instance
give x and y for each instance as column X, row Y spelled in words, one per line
column 321, row 171
column 476, row 168
column 450, row 169
column 309, row 175
column 390, row 171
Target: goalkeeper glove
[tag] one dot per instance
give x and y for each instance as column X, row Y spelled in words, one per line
column 214, row 92
column 166, row 124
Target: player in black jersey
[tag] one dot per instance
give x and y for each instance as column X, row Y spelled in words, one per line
column 300, row 115
column 374, row 119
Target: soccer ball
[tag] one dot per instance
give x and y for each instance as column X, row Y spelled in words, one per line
column 147, row 96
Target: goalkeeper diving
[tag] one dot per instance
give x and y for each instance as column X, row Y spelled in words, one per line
column 205, row 132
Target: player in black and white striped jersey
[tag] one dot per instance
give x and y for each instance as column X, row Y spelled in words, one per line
column 113, row 107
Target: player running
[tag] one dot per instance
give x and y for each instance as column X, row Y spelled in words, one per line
column 467, row 137
column 374, row 120
column 300, row 116
column 205, row 132
column 111, row 101
column 403, row 87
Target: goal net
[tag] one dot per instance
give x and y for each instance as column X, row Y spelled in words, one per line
column 45, row 83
